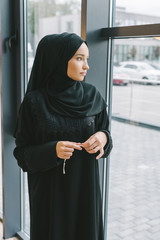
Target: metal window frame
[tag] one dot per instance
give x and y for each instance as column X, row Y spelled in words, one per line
column 23, row 71
column 139, row 31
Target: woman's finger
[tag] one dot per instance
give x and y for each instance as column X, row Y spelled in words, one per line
column 67, row 154
column 67, row 149
column 94, row 150
column 89, row 142
column 101, row 153
column 94, row 145
column 72, row 145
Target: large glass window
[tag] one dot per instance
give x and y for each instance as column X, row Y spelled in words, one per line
column 133, row 207
column 47, row 17
column 136, row 12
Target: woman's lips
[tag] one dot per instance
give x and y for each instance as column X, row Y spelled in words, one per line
column 83, row 73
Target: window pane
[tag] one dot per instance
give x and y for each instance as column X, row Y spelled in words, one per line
column 47, row 17
column 138, row 68
column 26, row 219
column 134, row 195
column 136, row 12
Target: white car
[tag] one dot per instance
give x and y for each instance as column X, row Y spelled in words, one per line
column 141, row 70
column 119, row 77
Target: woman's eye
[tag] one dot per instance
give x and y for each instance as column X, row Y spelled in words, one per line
column 79, row 58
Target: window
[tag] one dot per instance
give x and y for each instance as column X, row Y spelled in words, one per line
column 133, row 195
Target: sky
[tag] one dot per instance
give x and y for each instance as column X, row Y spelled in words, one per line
column 149, row 7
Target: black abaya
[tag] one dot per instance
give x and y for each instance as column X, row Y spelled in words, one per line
column 62, row 207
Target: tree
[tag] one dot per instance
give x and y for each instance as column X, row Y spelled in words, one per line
column 157, row 52
column 133, row 52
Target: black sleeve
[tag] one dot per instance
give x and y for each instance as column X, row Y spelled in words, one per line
column 102, row 124
column 32, row 157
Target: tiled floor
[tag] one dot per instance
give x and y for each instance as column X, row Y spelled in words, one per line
column 134, row 188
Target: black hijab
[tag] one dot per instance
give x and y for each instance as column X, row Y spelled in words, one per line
column 64, row 95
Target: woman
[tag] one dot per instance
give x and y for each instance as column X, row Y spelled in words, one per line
column 62, row 130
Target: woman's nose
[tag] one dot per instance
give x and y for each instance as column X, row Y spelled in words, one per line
column 86, row 66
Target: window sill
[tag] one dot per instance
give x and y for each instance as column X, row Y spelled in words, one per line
column 23, row 236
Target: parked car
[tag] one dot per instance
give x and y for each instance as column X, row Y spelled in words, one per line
column 119, row 77
column 155, row 65
column 141, row 70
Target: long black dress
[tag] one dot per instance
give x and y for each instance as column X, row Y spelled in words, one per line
column 62, row 207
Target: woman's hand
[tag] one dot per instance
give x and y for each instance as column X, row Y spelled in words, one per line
column 96, row 143
column 65, row 149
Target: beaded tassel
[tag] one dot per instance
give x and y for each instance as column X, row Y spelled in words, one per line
column 64, row 164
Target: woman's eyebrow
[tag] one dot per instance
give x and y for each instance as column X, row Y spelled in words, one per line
column 80, row 54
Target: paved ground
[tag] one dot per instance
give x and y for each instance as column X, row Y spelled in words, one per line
column 134, row 196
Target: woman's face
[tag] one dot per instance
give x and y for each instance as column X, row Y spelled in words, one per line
column 78, row 65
